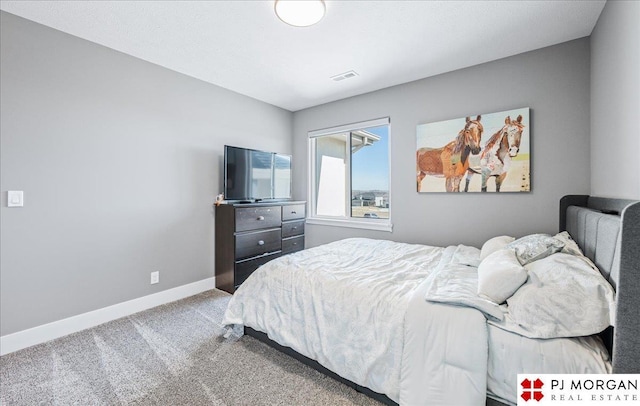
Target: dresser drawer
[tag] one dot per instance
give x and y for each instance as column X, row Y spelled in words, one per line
column 293, row 212
column 292, row 244
column 246, row 268
column 291, row 228
column 251, row 244
column 253, row 218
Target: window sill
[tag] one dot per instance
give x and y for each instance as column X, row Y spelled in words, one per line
column 377, row 225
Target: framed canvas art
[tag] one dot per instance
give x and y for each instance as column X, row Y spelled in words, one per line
column 483, row 153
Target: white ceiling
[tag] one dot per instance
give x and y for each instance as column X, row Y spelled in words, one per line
column 243, row 46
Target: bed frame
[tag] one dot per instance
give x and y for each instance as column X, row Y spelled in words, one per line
column 608, row 232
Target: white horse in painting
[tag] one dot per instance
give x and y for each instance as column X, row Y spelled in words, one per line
column 495, row 158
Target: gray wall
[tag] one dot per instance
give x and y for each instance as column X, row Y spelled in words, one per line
column 120, row 162
column 615, row 101
column 553, row 82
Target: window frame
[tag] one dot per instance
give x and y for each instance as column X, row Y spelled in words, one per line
column 348, row 220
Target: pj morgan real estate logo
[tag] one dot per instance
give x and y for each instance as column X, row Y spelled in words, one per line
column 578, row 389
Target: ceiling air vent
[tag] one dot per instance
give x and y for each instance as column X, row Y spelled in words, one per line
column 343, row 76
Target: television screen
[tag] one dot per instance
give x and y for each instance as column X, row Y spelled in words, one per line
column 256, row 175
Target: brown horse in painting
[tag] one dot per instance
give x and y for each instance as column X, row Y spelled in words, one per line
column 497, row 153
column 452, row 160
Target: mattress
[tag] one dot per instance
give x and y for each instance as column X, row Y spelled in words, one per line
column 511, row 354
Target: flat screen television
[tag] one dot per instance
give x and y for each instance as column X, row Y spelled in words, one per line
column 252, row 175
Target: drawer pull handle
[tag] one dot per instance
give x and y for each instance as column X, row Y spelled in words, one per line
column 294, row 228
column 295, row 243
column 293, row 212
column 260, row 218
column 260, row 242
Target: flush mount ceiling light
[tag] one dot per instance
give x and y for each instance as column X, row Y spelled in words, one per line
column 300, row 13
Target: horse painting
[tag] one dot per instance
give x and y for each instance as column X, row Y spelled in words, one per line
column 495, row 159
column 452, row 160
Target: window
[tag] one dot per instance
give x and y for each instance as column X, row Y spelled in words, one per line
column 349, row 175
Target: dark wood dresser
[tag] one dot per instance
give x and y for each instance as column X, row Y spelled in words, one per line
column 249, row 235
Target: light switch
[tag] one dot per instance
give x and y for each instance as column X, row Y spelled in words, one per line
column 15, row 198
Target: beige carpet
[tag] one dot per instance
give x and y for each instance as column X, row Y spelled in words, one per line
column 170, row 355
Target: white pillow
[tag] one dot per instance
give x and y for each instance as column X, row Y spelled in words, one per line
column 533, row 247
column 570, row 246
column 563, row 297
column 494, row 244
column 500, row 275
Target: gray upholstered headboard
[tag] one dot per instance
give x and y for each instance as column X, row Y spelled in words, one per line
column 608, row 232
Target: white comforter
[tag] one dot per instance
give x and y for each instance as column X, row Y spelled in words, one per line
column 358, row 307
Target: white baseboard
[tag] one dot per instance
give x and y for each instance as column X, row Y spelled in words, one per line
column 46, row 332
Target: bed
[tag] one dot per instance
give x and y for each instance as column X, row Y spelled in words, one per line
column 405, row 323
